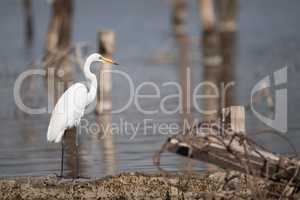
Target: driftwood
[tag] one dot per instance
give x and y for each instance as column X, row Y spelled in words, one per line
column 224, row 143
column 233, row 154
column 216, row 143
column 275, row 171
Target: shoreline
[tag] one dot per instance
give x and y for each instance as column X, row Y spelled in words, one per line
column 135, row 185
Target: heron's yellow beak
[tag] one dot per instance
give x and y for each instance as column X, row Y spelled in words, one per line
column 109, row 61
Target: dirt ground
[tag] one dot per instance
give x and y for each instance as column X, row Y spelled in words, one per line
column 136, row 186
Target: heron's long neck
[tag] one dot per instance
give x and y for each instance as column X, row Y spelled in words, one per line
column 92, row 80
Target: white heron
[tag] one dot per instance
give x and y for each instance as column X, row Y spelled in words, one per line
column 71, row 105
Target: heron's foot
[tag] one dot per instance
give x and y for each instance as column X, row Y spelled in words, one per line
column 61, row 176
column 80, row 177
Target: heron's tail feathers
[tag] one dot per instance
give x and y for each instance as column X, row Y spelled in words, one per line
column 53, row 136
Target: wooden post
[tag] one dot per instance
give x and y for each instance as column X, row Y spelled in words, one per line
column 212, row 73
column 59, row 30
column 106, row 44
column 227, row 27
column 59, row 37
column 228, row 12
column 227, row 49
column 28, row 16
column 106, row 47
column 178, row 17
column 235, row 116
column 107, row 145
column 178, row 23
column 207, row 15
column 185, row 76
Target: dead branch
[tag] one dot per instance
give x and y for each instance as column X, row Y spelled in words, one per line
column 237, row 152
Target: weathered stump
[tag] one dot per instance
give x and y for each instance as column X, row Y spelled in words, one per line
column 207, row 15
column 228, row 13
column 106, row 45
column 178, row 17
column 58, row 38
column 28, row 16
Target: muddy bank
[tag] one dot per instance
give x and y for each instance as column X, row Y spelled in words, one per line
column 127, row 186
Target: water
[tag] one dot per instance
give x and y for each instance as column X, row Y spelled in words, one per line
column 267, row 40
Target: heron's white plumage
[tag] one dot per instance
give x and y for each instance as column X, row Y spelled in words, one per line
column 68, row 111
column 71, row 105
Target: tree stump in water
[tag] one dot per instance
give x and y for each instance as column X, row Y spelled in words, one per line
column 178, row 17
column 27, row 5
column 228, row 13
column 106, row 45
column 58, row 39
column 207, row 15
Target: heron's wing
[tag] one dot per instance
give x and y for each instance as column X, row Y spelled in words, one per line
column 67, row 111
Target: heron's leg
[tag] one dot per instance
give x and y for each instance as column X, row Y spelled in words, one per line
column 62, row 157
column 77, row 153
